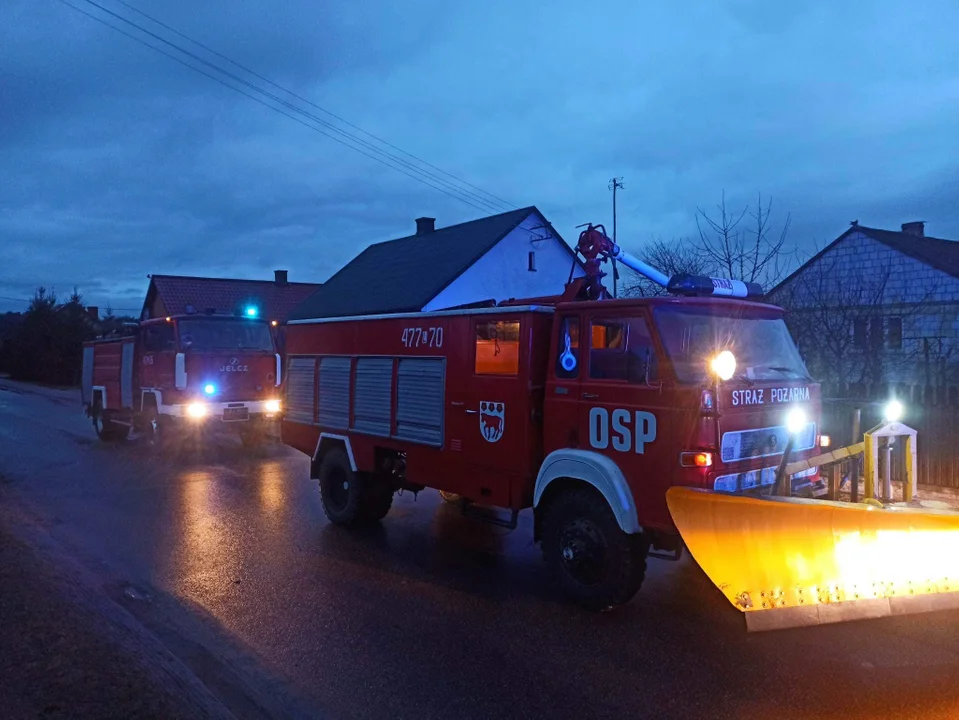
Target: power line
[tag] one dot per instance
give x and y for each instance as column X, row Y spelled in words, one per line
column 265, row 104
column 456, row 190
column 422, row 176
column 311, row 103
column 328, row 125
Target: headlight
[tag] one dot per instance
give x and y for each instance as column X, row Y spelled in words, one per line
column 196, row 410
column 272, row 406
column 723, row 365
column 796, row 421
column 893, row 411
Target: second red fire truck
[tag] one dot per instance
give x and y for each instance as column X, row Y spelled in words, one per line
column 586, row 410
column 180, row 376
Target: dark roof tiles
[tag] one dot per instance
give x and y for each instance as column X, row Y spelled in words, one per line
column 403, row 275
column 226, row 295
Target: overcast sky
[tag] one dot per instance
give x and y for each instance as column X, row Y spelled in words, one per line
column 116, row 162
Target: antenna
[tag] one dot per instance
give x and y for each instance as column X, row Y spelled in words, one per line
column 615, row 184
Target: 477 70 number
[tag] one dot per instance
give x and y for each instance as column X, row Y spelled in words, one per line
column 422, row 337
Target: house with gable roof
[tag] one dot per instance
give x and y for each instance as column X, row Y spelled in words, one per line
column 181, row 294
column 514, row 254
column 878, row 308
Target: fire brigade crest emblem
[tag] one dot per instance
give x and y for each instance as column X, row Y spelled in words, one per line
column 492, row 418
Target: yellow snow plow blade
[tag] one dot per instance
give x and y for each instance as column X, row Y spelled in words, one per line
column 788, row 562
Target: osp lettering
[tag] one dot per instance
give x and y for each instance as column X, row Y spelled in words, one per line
column 629, row 431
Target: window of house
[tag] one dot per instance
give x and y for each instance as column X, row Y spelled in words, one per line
column 876, row 335
column 567, row 352
column 157, row 338
column 622, row 349
column 859, row 332
column 497, row 348
column 894, row 333
column 532, row 261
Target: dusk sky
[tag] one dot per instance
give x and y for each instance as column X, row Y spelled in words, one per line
column 118, row 162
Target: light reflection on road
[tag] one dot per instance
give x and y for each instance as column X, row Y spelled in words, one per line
column 207, row 557
column 270, row 482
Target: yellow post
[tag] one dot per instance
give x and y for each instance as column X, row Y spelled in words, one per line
column 909, row 486
column 870, row 458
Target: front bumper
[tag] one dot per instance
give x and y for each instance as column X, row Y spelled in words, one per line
column 760, row 480
column 228, row 413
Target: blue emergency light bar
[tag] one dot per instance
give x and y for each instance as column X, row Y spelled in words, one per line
column 685, row 284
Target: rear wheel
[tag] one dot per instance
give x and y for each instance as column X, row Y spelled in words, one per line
column 377, row 497
column 595, row 563
column 349, row 497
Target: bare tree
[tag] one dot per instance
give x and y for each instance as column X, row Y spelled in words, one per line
column 743, row 244
column 672, row 257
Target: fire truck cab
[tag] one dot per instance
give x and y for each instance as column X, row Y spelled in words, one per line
column 189, row 373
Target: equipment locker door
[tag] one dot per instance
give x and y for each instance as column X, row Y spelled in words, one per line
column 490, row 412
column 623, row 411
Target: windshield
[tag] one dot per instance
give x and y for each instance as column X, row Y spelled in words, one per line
column 225, row 335
column 763, row 347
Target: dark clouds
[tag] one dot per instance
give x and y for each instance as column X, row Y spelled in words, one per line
column 118, row 162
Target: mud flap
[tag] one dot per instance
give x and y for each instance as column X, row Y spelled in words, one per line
column 788, row 562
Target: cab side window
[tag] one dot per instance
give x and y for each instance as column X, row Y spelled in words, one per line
column 567, row 352
column 621, row 348
column 157, row 338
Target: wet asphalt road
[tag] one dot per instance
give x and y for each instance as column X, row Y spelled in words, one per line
column 228, row 559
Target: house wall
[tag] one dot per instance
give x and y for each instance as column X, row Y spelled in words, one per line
column 503, row 272
column 157, row 309
column 926, row 300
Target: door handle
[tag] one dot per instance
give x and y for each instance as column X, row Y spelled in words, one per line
column 454, row 403
column 472, row 412
column 590, row 396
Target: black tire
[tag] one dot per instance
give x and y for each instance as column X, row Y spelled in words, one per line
column 340, row 488
column 158, row 431
column 595, row 563
column 106, row 429
column 377, row 498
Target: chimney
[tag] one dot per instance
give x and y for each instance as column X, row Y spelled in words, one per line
column 425, row 225
column 280, row 277
column 94, row 312
column 917, row 227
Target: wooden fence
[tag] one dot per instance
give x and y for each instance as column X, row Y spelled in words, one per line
column 936, row 420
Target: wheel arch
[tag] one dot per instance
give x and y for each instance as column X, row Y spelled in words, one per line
column 562, row 467
column 327, row 442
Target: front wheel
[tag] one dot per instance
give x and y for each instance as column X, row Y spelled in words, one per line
column 106, row 429
column 595, row 563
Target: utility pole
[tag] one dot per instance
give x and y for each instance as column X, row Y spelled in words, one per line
column 615, row 184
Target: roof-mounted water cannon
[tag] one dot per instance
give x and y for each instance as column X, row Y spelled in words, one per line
column 596, row 247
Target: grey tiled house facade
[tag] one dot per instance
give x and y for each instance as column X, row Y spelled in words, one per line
column 877, row 308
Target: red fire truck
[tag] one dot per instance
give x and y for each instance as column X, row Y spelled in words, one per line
column 186, row 374
column 586, row 409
